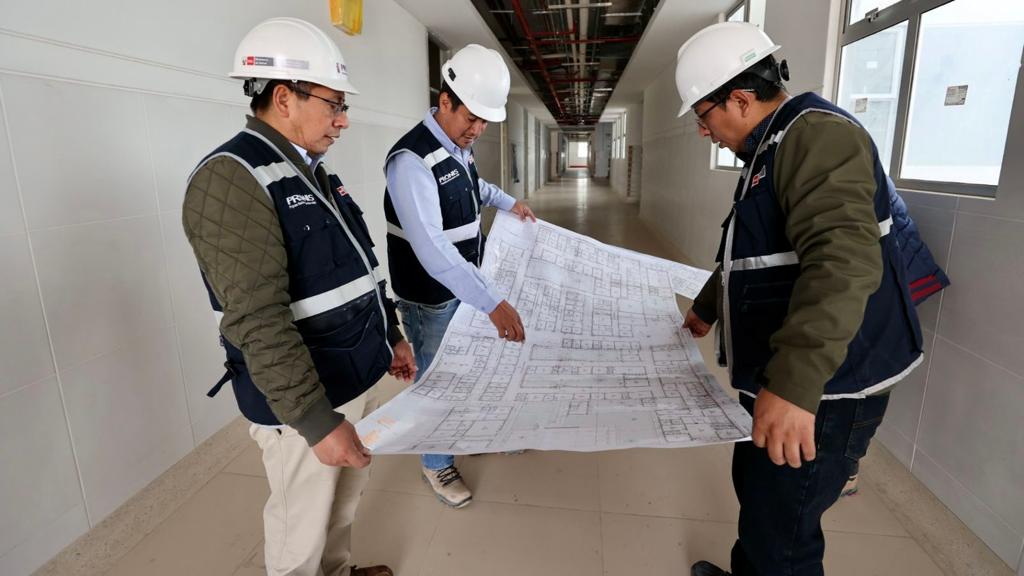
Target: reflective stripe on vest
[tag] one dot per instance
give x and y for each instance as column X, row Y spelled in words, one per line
column 455, row 235
column 335, row 298
column 790, row 258
column 271, row 173
column 325, row 301
column 433, row 159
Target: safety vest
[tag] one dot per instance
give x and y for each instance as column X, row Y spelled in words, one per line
column 760, row 267
column 336, row 296
column 458, row 193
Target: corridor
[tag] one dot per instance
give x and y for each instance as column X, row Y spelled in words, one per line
column 539, row 513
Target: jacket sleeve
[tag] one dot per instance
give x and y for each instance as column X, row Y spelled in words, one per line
column 236, row 237
column 825, row 184
column 705, row 305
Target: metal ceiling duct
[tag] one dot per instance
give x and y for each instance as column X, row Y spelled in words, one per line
column 571, row 52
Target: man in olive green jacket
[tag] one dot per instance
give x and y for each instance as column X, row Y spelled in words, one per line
column 814, row 316
column 305, row 323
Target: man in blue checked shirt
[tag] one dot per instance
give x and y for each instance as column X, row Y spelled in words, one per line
column 432, row 204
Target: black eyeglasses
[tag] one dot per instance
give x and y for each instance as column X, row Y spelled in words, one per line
column 337, row 108
column 700, row 117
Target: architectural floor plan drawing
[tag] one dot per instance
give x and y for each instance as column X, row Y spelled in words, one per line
column 605, row 364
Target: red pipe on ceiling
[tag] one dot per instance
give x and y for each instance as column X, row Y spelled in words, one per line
column 536, row 52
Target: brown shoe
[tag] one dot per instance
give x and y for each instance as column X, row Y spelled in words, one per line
column 380, row 570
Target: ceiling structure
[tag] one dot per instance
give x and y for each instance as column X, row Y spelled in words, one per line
column 456, row 23
column 674, row 21
column 571, row 53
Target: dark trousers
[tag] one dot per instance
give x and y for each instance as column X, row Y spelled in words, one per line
column 781, row 507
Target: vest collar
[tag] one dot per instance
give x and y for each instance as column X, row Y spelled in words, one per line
column 286, row 146
column 752, row 140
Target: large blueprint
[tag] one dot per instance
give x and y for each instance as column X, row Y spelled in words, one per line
column 605, row 364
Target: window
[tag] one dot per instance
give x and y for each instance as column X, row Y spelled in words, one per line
column 933, row 82
column 723, row 158
column 434, row 56
column 737, row 13
column 861, row 9
column 582, row 149
column 726, row 160
column 869, row 84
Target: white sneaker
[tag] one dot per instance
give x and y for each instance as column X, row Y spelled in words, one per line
column 448, row 486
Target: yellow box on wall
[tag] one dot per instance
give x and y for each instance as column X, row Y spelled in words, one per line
column 347, row 15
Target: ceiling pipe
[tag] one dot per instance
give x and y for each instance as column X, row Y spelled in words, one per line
column 608, row 40
column 593, row 79
column 568, row 32
column 581, row 49
column 518, row 7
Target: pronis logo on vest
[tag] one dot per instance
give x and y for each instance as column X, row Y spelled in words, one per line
column 300, row 200
column 448, row 177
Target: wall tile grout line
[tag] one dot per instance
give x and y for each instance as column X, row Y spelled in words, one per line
column 166, row 267
column 42, row 307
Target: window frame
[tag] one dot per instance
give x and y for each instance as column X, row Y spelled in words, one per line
column 910, row 11
column 741, row 5
column 744, row 7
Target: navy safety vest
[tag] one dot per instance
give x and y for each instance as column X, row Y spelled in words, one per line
column 458, row 192
column 760, row 267
column 337, row 298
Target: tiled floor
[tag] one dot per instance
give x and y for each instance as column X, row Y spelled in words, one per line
column 539, row 513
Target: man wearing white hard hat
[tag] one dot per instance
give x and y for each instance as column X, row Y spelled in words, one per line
column 432, row 205
column 304, row 320
column 814, row 318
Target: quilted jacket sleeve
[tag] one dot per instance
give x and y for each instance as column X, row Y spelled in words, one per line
column 235, row 234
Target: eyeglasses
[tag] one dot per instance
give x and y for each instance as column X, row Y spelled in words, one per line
column 337, row 108
column 700, row 117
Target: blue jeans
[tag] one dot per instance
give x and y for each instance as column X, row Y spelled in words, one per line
column 781, row 507
column 424, row 327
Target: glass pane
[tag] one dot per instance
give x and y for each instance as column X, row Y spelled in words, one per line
column 736, row 15
column 859, row 8
column 968, row 57
column 869, row 84
column 726, row 159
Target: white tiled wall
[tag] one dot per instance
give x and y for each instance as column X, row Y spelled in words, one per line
column 955, row 422
column 107, row 342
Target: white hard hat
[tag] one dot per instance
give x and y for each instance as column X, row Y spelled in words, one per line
column 479, row 77
column 715, row 55
column 291, row 49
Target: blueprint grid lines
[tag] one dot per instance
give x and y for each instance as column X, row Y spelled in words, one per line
column 605, row 364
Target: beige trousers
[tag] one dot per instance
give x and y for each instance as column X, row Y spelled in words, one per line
column 307, row 521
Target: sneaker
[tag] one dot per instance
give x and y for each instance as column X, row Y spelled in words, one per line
column 379, row 570
column 448, row 485
column 705, row 568
column 851, row 487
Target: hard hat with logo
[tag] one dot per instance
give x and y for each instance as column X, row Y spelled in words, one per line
column 479, row 77
column 290, row 49
column 717, row 54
